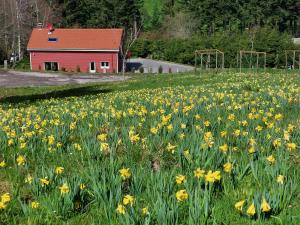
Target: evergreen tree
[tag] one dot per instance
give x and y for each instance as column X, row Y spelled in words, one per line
column 102, row 13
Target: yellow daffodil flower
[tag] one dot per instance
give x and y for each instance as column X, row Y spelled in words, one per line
column 181, row 195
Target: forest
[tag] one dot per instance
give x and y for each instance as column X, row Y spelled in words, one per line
column 160, row 22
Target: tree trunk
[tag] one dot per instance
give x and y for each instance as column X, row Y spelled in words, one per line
column 37, row 12
column 18, row 14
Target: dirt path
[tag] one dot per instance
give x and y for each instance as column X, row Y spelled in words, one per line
column 35, row 79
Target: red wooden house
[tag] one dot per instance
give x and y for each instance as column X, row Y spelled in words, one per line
column 74, row 50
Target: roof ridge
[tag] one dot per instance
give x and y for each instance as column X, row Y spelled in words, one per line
column 36, row 28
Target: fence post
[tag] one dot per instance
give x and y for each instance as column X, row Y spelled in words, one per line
column 5, row 64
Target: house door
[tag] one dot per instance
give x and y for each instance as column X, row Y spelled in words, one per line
column 92, row 67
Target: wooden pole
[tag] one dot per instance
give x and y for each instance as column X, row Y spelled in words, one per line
column 286, row 60
column 216, row 59
column 265, row 67
column 250, row 63
column 240, row 61
column 257, row 56
column 223, row 61
column 195, row 61
column 237, row 61
column 294, row 59
column 201, row 61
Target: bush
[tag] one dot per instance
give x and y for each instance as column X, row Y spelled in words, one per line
column 78, row 69
column 63, row 69
column 24, row 64
column 160, row 69
column 141, row 69
column 2, row 56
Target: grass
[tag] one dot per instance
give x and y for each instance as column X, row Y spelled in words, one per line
column 136, row 82
column 159, row 127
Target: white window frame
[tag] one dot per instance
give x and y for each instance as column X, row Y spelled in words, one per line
column 105, row 67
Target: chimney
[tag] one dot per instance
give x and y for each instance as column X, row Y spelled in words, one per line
column 50, row 28
column 39, row 26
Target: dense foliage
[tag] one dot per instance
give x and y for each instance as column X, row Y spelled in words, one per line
column 182, row 50
column 210, row 15
column 101, row 13
column 175, row 155
column 215, row 15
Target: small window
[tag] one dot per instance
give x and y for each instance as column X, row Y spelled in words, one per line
column 51, row 66
column 52, row 39
column 104, row 65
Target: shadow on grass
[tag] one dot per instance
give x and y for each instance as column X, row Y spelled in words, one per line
column 56, row 94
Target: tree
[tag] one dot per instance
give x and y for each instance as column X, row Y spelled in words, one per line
column 102, row 13
column 18, row 17
column 168, row 7
column 214, row 15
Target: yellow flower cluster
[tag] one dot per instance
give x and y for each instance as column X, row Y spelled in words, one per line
column 5, row 198
column 251, row 211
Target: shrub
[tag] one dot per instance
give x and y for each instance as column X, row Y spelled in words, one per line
column 23, row 64
column 141, row 69
column 160, row 69
column 78, row 69
column 63, row 69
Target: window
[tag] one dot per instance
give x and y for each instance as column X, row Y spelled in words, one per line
column 51, row 66
column 52, row 39
column 104, row 65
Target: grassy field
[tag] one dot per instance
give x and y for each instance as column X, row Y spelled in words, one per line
column 164, row 149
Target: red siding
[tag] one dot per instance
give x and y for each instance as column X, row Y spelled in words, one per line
column 71, row 60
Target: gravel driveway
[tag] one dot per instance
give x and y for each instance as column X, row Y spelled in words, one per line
column 35, row 79
column 151, row 66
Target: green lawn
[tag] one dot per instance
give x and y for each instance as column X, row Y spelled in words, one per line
column 190, row 145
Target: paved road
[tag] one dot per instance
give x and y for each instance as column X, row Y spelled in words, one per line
column 34, row 79
column 149, row 64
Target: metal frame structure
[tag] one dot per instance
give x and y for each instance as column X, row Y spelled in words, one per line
column 294, row 53
column 257, row 54
column 209, row 53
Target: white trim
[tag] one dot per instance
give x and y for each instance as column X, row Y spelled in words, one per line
column 104, row 67
column 71, row 50
column 30, row 61
column 117, row 63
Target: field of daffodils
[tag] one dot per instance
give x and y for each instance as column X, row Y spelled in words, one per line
column 223, row 152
